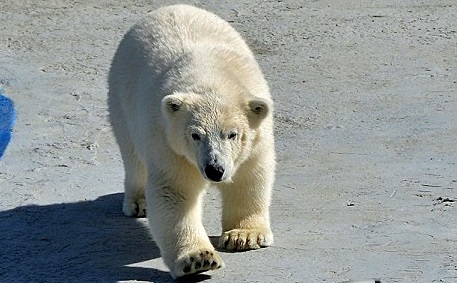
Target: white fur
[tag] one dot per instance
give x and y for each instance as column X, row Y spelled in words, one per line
column 190, row 109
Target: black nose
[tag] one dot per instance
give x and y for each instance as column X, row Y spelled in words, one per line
column 214, row 172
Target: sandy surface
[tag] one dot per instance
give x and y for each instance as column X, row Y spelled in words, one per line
column 366, row 127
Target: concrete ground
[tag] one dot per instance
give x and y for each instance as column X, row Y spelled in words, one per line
column 366, row 126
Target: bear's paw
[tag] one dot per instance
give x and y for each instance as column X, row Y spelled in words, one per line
column 246, row 239
column 197, row 262
column 134, row 208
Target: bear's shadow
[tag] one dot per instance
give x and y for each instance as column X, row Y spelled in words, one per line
column 89, row 241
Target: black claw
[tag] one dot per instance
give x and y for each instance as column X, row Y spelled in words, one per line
column 192, row 259
column 137, row 209
column 198, row 265
column 186, row 269
column 206, row 263
column 213, row 264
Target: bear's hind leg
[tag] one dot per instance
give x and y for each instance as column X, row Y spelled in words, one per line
column 134, row 183
column 135, row 169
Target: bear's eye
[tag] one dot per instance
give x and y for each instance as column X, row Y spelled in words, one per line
column 195, row 137
column 232, row 136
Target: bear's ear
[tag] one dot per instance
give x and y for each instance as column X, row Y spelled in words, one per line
column 171, row 103
column 258, row 110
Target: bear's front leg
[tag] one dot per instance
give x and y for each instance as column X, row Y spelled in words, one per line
column 246, row 201
column 175, row 220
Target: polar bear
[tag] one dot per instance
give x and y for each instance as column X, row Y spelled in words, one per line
column 190, row 109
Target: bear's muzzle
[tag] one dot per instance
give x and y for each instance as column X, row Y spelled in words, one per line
column 214, row 172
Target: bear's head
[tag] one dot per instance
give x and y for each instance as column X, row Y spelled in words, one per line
column 213, row 133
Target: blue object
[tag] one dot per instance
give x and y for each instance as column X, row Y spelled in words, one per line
column 7, row 118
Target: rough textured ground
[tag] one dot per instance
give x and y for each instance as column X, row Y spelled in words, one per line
column 366, row 126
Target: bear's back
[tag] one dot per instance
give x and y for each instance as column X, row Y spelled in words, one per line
column 180, row 27
column 177, row 48
column 164, row 39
